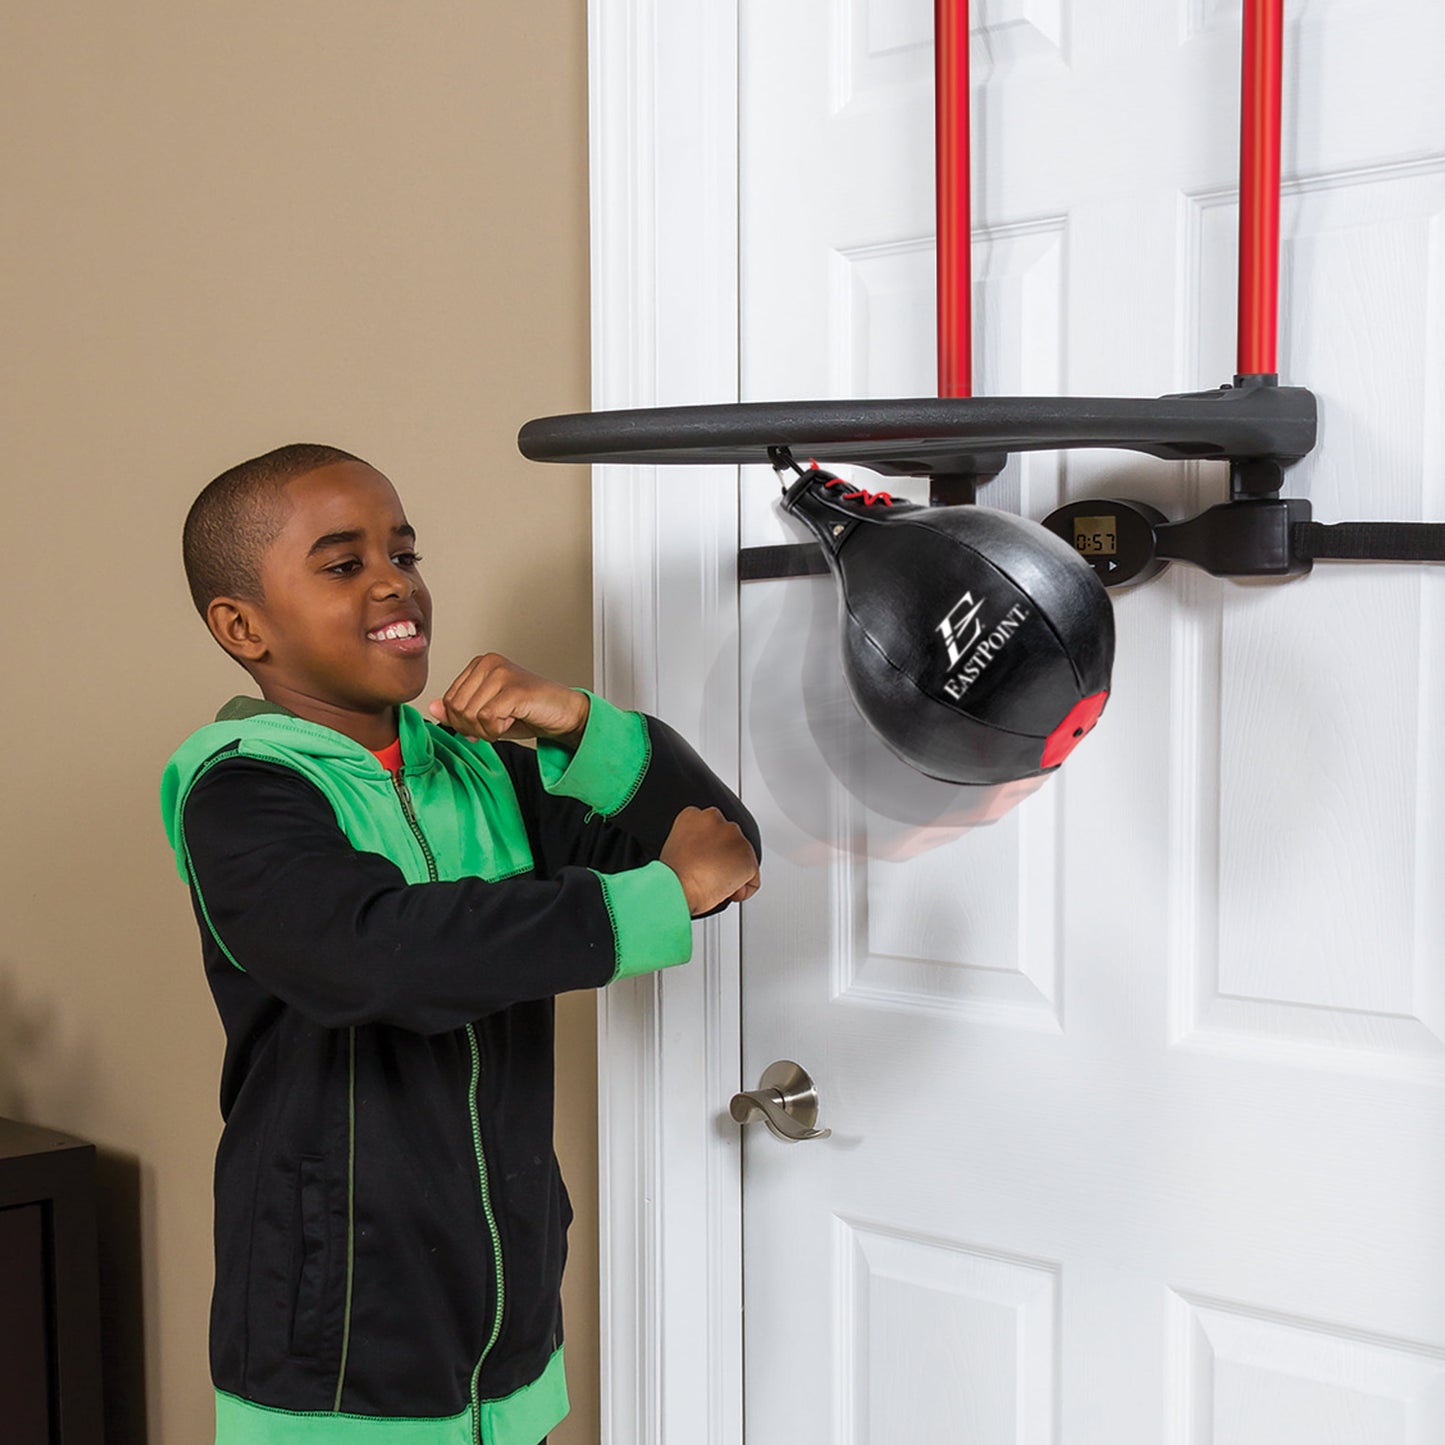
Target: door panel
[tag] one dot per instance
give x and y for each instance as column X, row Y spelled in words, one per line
column 1135, row 1090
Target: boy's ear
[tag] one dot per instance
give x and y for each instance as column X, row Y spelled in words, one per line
column 234, row 624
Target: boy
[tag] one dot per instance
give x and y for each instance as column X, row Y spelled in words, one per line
column 388, row 907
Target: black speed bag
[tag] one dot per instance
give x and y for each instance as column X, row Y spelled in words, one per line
column 976, row 644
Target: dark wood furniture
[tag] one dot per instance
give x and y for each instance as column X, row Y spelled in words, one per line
column 49, row 1289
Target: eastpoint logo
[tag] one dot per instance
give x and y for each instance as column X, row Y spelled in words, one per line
column 962, row 631
column 962, row 619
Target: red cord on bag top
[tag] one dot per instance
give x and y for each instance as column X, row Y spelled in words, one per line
column 868, row 497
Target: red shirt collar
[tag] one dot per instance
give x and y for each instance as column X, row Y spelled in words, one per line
column 389, row 757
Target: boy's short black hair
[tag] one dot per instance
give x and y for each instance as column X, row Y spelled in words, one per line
column 238, row 515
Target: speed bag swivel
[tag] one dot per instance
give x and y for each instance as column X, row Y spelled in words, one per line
column 976, row 644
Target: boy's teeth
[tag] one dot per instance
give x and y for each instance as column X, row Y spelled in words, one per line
column 397, row 629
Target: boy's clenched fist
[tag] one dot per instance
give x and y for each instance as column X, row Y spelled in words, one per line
column 494, row 697
column 712, row 858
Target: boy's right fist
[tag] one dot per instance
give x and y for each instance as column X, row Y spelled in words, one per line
column 712, row 858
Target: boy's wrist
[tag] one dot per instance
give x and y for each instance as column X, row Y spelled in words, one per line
column 689, row 892
column 572, row 737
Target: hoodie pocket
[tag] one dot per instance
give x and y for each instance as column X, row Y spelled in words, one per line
column 313, row 1259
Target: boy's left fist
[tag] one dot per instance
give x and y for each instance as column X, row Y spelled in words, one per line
column 493, row 697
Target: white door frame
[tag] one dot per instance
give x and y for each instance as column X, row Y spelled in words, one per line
column 664, row 225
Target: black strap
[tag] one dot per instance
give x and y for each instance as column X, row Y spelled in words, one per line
column 1368, row 541
column 794, row 559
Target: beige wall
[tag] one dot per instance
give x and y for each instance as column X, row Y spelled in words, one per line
column 228, row 227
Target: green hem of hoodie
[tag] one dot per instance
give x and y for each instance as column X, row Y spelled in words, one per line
column 521, row 1418
column 651, row 924
column 609, row 763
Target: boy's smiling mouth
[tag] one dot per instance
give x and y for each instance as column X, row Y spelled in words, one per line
column 403, row 635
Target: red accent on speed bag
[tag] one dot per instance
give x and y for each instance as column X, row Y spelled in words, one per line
column 1070, row 733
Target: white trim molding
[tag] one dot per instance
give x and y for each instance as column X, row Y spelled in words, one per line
column 663, row 141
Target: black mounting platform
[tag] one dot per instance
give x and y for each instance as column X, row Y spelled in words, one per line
column 939, row 435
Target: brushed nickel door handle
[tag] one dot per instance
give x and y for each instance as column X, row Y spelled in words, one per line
column 786, row 1100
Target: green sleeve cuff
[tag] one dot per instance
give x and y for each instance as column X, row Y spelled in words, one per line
column 609, row 763
column 651, row 924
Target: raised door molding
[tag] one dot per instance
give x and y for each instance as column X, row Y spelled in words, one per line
column 663, row 156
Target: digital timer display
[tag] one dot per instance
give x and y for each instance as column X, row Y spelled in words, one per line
column 1096, row 536
column 1118, row 539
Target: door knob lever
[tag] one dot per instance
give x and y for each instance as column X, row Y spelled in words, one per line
column 786, row 1100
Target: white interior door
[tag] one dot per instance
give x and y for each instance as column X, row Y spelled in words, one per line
column 1138, row 1093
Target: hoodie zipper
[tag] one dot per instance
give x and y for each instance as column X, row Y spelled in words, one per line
column 408, row 809
column 403, row 793
column 491, row 1226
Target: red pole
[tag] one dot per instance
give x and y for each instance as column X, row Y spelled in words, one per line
column 1259, row 188
column 955, row 242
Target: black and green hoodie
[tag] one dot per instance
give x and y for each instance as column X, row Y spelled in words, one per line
column 384, row 950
